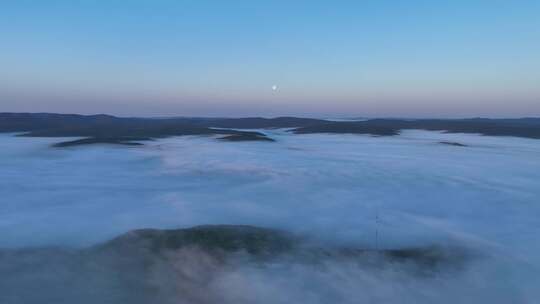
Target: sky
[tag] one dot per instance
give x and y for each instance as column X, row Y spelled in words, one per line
column 223, row 58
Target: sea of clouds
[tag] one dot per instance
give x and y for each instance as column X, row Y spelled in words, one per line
column 485, row 197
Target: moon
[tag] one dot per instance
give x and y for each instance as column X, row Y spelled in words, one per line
column 274, row 88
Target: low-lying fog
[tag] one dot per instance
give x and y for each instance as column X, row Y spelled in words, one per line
column 485, row 196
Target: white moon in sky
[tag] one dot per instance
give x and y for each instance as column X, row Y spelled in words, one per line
column 274, row 88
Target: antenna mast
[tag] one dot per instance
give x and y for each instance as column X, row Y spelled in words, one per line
column 377, row 231
column 377, row 227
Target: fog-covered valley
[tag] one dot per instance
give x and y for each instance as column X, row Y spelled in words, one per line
column 354, row 191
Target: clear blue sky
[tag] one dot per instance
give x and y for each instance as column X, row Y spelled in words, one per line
column 221, row 58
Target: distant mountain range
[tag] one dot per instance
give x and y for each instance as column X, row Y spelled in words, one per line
column 118, row 130
column 522, row 127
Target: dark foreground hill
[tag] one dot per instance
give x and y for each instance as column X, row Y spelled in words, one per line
column 184, row 265
column 189, row 265
column 267, row 244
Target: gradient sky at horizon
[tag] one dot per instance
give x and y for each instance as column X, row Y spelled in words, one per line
column 221, row 58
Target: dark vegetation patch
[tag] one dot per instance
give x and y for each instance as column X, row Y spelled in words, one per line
column 246, row 137
column 453, row 143
column 97, row 140
column 211, row 238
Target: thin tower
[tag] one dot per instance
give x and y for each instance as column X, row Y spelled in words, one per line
column 377, row 228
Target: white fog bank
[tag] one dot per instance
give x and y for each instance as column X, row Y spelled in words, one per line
column 484, row 196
